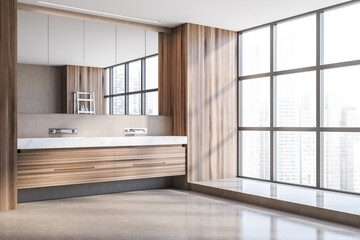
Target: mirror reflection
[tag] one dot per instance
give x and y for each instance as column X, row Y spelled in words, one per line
column 73, row 66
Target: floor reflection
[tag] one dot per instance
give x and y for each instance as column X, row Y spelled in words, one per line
column 312, row 197
column 161, row 214
column 263, row 224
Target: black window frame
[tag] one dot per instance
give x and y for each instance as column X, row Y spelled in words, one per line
column 319, row 67
column 143, row 91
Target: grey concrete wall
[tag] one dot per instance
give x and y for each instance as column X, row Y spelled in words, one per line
column 37, row 125
column 39, row 89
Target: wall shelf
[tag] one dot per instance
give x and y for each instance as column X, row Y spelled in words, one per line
column 80, row 108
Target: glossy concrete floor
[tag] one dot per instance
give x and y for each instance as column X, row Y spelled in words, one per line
column 161, row 214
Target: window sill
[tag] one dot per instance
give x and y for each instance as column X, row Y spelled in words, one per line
column 325, row 205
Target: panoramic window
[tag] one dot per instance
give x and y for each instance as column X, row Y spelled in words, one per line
column 133, row 87
column 299, row 106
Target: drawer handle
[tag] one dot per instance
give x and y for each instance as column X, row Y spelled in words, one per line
column 73, row 169
column 148, row 164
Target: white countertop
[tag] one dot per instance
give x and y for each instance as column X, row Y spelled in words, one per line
column 92, row 142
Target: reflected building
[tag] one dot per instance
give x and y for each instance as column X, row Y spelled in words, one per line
column 296, row 152
column 341, row 150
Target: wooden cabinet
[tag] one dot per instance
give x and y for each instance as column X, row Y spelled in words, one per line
column 43, row 168
column 146, row 162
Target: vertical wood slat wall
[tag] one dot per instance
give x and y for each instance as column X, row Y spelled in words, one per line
column 198, row 74
column 172, row 78
column 8, row 104
column 83, row 79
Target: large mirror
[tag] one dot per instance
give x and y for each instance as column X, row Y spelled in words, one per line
column 73, row 66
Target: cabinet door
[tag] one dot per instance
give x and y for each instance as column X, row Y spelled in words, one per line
column 32, row 38
column 41, row 168
column 151, row 43
column 100, row 50
column 148, row 162
column 66, row 39
column 130, row 44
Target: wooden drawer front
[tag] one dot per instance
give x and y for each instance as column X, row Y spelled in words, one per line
column 43, row 168
column 146, row 162
column 40, row 168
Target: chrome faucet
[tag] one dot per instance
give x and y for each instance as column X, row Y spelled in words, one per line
column 135, row 131
column 61, row 131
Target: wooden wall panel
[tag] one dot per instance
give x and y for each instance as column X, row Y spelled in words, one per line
column 173, row 77
column 198, row 74
column 55, row 167
column 165, row 99
column 8, row 104
column 84, row 79
column 212, row 103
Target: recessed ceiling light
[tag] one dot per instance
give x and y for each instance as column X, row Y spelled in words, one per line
column 98, row 12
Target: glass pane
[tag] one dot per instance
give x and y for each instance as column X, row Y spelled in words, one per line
column 255, row 154
column 296, row 100
column 342, row 161
column 341, row 97
column 135, row 76
column 255, row 102
column 296, row 43
column 256, row 51
column 341, row 34
column 119, row 105
column 119, row 79
column 135, row 104
column 107, row 81
column 152, row 107
column 296, row 157
column 152, row 73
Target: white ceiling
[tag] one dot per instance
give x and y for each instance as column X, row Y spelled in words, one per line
column 227, row 14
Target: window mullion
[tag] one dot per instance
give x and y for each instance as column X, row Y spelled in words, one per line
column 126, row 88
column 239, row 108
column 319, row 86
column 111, row 86
column 143, row 86
column 272, row 106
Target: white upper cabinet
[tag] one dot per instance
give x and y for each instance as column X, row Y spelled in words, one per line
column 130, row 44
column 100, row 44
column 57, row 41
column 66, row 39
column 32, row 38
column 151, row 43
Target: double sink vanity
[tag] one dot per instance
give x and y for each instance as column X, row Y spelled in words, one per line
column 56, row 161
column 95, row 150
